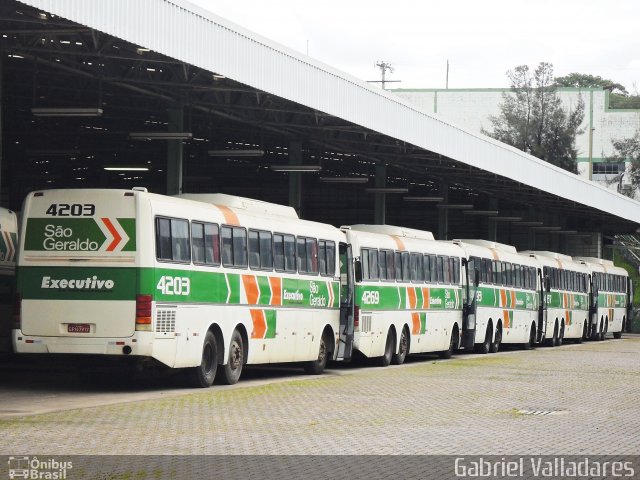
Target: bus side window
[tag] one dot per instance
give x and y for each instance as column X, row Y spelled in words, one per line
column 278, row 252
column 327, row 257
column 312, row 255
column 415, row 263
column 172, row 240
column 406, row 268
column 180, row 240
column 374, row 267
column 440, row 269
column 322, row 257
column 391, row 268
column 434, row 269
column 382, row 262
column 260, row 250
column 163, row 239
column 446, row 270
column 197, row 242
column 456, row 269
column 234, row 247
column 397, row 261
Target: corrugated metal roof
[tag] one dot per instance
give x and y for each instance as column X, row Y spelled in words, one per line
column 183, row 31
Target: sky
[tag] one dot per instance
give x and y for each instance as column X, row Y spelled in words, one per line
column 481, row 40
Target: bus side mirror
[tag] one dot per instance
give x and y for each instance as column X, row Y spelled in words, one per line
column 358, row 270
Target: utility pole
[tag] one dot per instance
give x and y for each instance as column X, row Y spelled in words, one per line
column 384, row 67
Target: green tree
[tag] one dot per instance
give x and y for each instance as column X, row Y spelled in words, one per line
column 628, row 149
column 620, row 97
column 533, row 119
column 584, row 80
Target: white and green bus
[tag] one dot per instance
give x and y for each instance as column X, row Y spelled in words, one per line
column 566, row 297
column 207, row 283
column 507, row 294
column 408, row 293
column 611, row 297
column 8, row 257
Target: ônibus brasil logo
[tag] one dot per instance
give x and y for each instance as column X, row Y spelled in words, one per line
column 80, row 235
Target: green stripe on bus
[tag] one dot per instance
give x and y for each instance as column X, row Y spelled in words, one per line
column 270, row 316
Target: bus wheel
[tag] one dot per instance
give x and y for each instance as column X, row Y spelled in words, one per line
column 453, row 343
column 553, row 342
column 403, row 350
column 203, row 375
column 560, row 336
column 603, row 334
column 584, row 333
column 230, row 373
column 485, row 347
column 495, row 345
column 385, row 359
column 532, row 339
column 618, row 335
column 316, row 367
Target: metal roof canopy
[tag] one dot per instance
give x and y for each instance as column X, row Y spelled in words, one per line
column 283, row 94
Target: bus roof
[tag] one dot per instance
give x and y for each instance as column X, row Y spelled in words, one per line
column 488, row 244
column 553, row 255
column 249, row 204
column 393, row 230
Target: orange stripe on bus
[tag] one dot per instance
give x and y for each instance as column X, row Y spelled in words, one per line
column 507, row 324
column 259, row 323
column 251, row 289
column 415, row 320
column 503, row 297
column 425, row 298
column 411, row 292
column 494, row 254
column 567, row 317
column 276, row 290
column 230, row 216
column 513, row 299
column 399, row 242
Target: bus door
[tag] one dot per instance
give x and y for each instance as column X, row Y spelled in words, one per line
column 345, row 344
column 545, row 287
column 593, row 307
column 470, row 304
column 629, row 304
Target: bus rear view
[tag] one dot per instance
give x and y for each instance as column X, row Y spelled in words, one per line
column 77, row 277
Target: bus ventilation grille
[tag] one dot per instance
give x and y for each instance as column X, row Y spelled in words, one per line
column 365, row 324
column 165, row 321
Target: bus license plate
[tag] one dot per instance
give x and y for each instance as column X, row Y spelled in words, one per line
column 79, row 328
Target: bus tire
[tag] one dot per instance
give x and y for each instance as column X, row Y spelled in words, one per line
column 385, row 359
column 316, row 367
column 553, row 342
column 618, row 335
column 403, row 349
column 453, row 343
column 532, row 339
column 495, row 345
column 561, row 336
column 584, row 333
column 230, row 372
column 204, row 374
column 485, row 347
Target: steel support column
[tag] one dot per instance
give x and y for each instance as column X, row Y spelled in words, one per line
column 443, row 213
column 295, row 178
column 379, row 198
column 175, row 152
